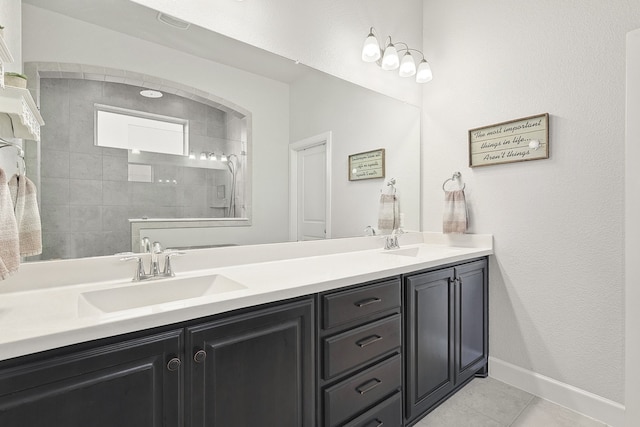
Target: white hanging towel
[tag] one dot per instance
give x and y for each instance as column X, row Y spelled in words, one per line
column 388, row 215
column 455, row 218
column 9, row 246
column 25, row 202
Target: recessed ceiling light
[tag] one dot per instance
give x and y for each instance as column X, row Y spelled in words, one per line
column 148, row 93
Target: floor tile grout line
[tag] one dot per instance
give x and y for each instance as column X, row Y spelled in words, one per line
column 531, row 400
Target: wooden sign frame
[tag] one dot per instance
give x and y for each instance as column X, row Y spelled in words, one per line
column 366, row 165
column 517, row 140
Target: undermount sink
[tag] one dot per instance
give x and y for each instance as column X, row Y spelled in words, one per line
column 413, row 252
column 423, row 251
column 154, row 292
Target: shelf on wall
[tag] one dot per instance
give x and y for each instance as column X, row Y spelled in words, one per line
column 18, row 104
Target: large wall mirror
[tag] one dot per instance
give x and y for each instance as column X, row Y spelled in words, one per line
column 236, row 100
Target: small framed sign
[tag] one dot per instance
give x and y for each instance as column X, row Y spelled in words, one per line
column 366, row 165
column 513, row 141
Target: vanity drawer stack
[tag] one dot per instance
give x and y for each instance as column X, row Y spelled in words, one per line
column 360, row 369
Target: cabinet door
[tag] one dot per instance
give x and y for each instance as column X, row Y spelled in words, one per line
column 124, row 385
column 254, row 369
column 429, row 339
column 471, row 319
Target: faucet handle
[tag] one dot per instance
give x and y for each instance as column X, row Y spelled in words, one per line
column 139, row 273
column 168, row 270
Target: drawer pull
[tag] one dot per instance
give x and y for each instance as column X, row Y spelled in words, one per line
column 366, row 302
column 368, row 386
column 375, row 423
column 369, row 340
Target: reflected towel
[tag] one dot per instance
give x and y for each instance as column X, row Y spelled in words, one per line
column 455, row 218
column 25, row 207
column 9, row 249
column 388, row 216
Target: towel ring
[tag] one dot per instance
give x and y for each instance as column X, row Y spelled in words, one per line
column 455, row 176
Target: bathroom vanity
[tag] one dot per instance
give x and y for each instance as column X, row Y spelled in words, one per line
column 364, row 338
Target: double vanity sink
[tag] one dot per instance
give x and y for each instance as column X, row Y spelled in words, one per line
column 167, row 293
column 54, row 304
column 324, row 333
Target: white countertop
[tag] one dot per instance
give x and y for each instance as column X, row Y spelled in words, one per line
column 49, row 313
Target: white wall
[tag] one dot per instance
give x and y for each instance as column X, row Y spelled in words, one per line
column 10, row 19
column 360, row 120
column 10, row 14
column 50, row 37
column 556, row 305
column 632, row 231
column 326, row 35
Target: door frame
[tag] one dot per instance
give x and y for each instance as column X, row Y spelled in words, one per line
column 294, row 148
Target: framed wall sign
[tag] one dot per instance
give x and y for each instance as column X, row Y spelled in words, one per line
column 513, row 141
column 366, row 165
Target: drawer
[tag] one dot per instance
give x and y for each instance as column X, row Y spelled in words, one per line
column 352, row 396
column 343, row 307
column 349, row 349
column 387, row 414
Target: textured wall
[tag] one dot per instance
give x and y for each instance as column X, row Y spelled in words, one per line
column 557, row 277
column 632, row 231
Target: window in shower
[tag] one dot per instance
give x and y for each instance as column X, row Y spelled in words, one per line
column 140, row 131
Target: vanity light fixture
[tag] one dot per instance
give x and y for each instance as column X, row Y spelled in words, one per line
column 203, row 156
column 389, row 59
column 212, row 156
column 192, row 155
column 223, row 158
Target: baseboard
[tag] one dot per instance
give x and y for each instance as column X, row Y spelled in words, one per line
column 589, row 404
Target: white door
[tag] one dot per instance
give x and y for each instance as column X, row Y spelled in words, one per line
column 311, row 193
column 310, row 188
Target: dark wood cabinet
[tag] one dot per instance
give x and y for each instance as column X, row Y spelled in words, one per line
column 377, row 353
column 360, row 354
column 446, row 333
column 135, row 383
column 252, row 370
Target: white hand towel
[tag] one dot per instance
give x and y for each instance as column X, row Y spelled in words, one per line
column 388, row 215
column 9, row 247
column 25, row 202
column 455, row 218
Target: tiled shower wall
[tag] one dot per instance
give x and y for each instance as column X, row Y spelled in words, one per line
column 86, row 199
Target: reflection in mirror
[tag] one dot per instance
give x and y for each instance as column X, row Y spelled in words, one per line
column 283, row 103
column 136, row 159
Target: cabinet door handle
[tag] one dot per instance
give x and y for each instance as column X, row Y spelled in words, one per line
column 200, row 356
column 368, row 386
column 366, row 302
column 174, row 364
column 375, row 423
column 368, row 340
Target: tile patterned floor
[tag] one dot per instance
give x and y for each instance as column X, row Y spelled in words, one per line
column 490, row 403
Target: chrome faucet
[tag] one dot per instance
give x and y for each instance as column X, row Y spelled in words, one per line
column 145, row 245
column 155, row 250
column 391, row 240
